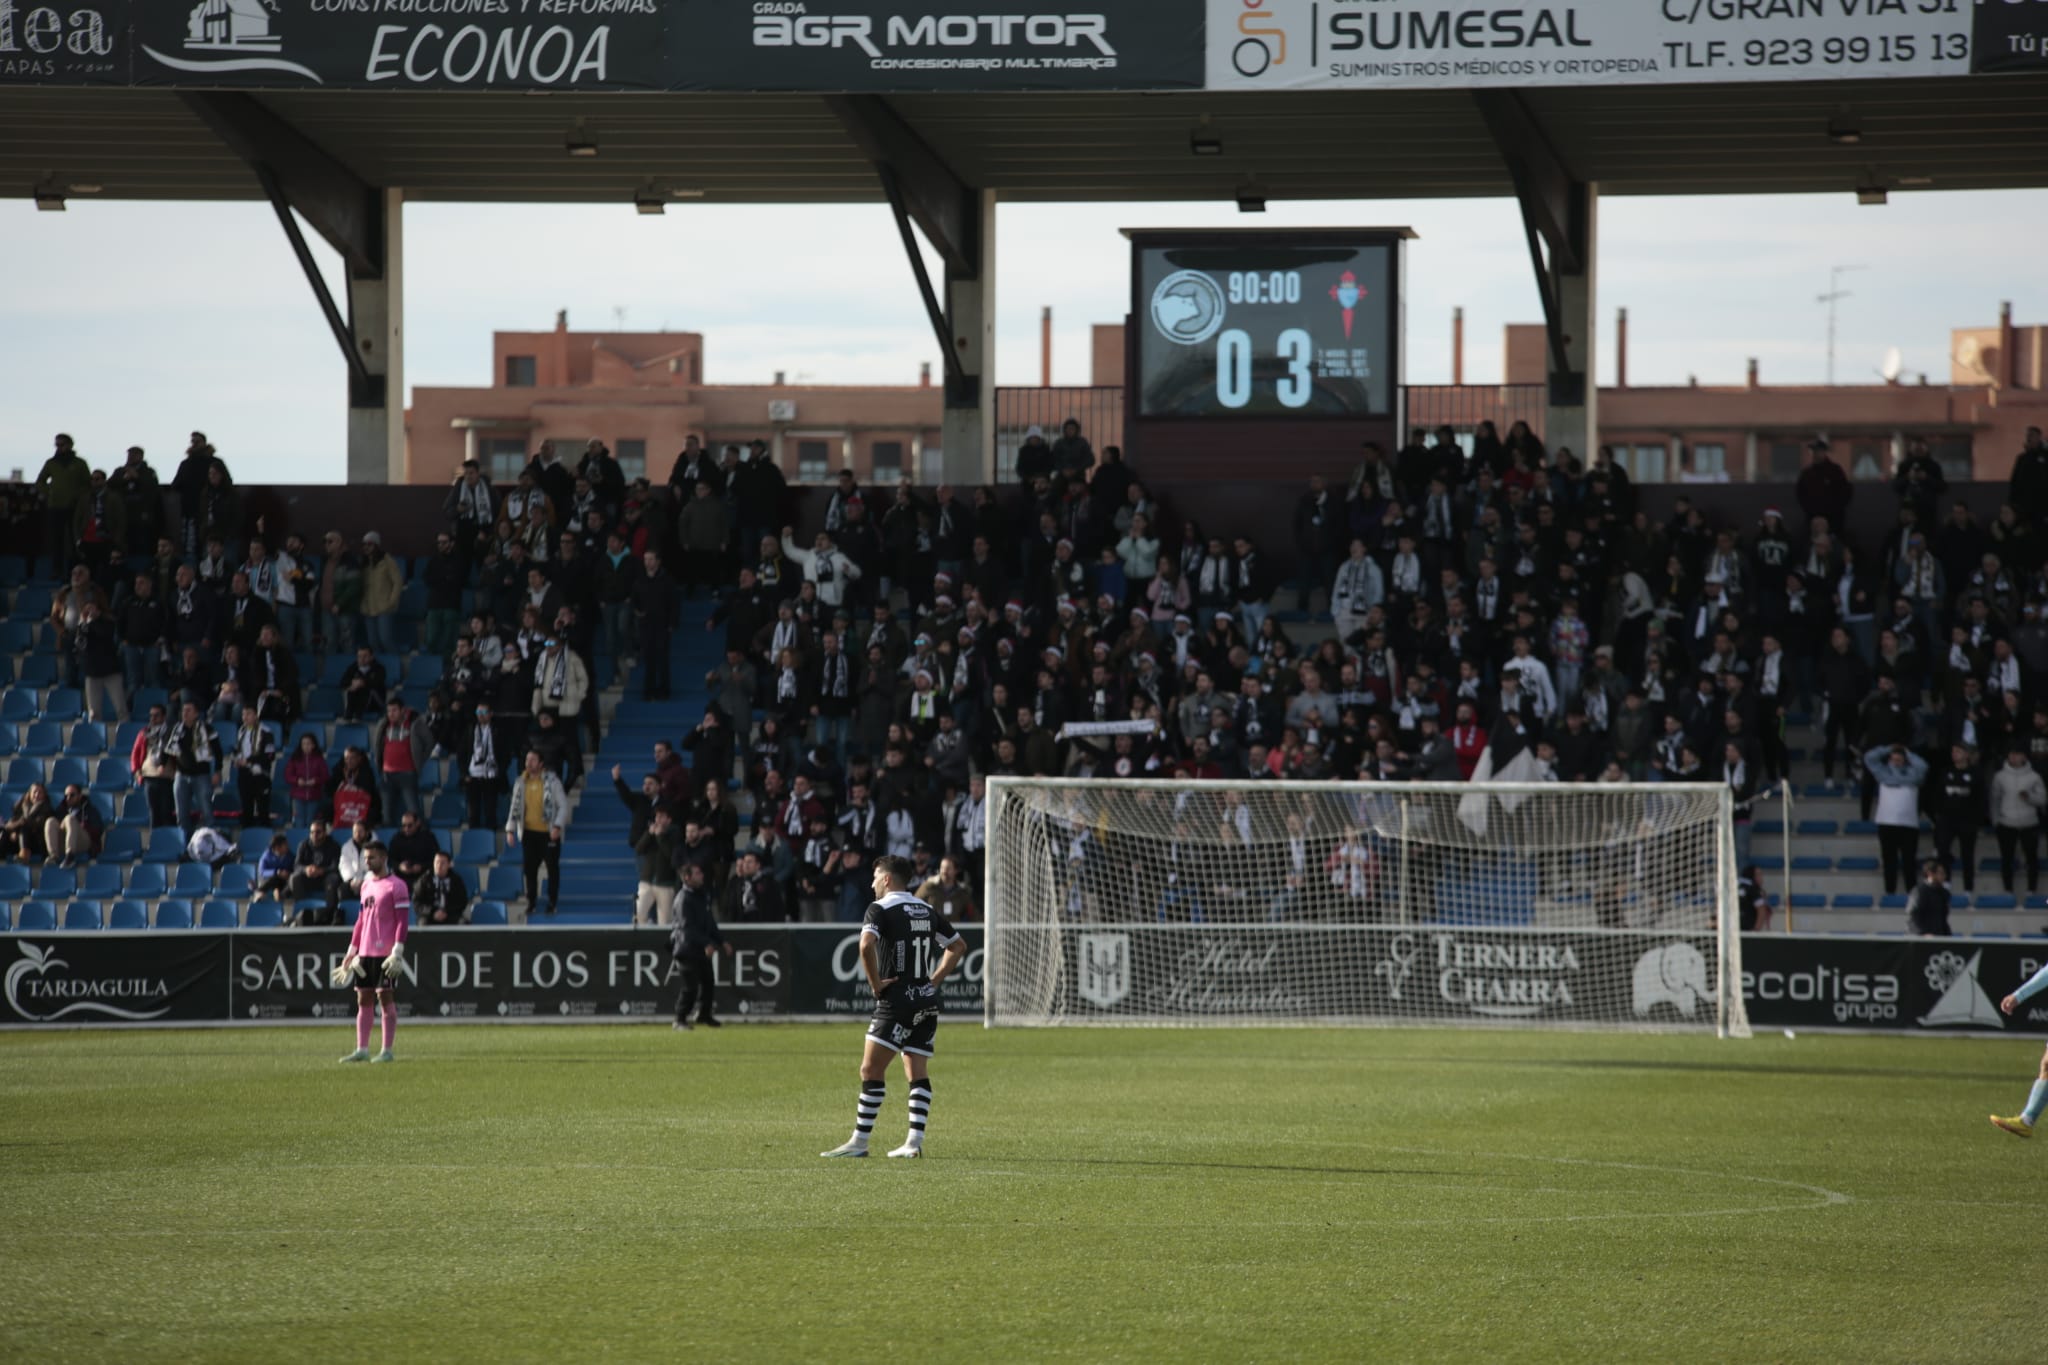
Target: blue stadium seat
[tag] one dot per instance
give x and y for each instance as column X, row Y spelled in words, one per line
column 32, row 603
column 192, row 879
column 1768, row 827
column 148, row 881
column 1858, row 864
column 64, row 705
column 17, row 706
column 6, row 917
column 1959, row 902
column 13, row 571
column 56, row 883
column 82, row 915
column 101, row 882
column 476, row 846
column 88, row 740
column 42, row 739
column 324, row 702
column 34, row 672
column 423, row 671
column 128, row 915
column 447, row 809
column 488, row 913
column 352, row 736
column 111, row 775
column 35, row 917
column 335, row 666
column 68, row 772
column 351, row 911
column 1854, row 902
column 394, row 668
column 1807, row 900
column 135, row 809
column 220, row 915
column 265, row 915
column 237, row 881
column 1861, row 829
column 21, row 772
column 14, row 881
column 1810, row 863
column 10, row 740
column 1995, row 900
column 144, row 698
column 174, row 914
column 166, row 845
column 255, row 842
column 1818, row 829
column 504, row 882
column 316, row 729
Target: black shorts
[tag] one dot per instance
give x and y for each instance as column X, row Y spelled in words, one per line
column 372, row 978
column 907, row 1020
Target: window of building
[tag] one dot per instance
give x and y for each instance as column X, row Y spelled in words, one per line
column 519, row 372
column 632, row 457
column 1643, row 464
column 888, row 461
column 813, row 461
column 1869, row 459
column 1709, row 463
column 1784, row 461
column 1955, row 455
column 502, row 458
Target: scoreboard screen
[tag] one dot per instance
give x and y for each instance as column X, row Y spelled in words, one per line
column 1267, row 324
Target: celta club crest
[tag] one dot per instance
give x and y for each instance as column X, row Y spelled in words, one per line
column 1105, row 969
column 1347, row 291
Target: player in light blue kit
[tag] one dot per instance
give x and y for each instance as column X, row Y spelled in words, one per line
column 2022, row 1123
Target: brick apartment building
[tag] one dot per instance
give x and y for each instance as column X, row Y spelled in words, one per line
column 643, row 392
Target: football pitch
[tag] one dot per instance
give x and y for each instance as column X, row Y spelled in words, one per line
column 628, row 1193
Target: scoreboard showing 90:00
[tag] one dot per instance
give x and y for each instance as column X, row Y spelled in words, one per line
column 1264, row 324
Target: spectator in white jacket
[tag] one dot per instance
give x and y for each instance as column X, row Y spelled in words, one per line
column 1360, row 586
column 1898, row 772
column 2017, row 796
column 1535, row 678
column 823, row 565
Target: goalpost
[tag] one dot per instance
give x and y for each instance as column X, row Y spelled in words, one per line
column 1602, row 906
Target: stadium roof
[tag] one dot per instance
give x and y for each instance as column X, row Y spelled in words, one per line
column 1988, row 132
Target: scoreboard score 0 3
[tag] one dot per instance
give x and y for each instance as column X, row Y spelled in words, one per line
column 1301, row 324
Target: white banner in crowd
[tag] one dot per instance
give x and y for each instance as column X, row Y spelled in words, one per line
column 1468, row 44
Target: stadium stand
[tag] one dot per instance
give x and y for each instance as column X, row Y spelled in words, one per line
column 839, row 692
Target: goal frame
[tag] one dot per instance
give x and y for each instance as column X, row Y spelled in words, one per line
column 1730, row 1019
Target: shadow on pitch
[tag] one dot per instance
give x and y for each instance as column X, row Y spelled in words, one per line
column 1218, row 1166
column 1715, row 1068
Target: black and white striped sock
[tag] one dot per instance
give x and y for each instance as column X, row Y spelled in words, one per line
column 871, row 1093
column 920, row 1110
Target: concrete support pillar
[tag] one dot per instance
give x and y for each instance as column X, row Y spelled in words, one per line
column 376, row 411
column 1573, row 419
column 969, row 427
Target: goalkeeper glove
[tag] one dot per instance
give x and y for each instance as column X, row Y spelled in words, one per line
column 394, row 965
column 346, row 971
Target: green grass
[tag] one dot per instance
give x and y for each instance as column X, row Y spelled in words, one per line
column 572, row 1193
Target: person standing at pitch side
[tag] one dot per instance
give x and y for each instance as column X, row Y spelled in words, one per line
column 898, row 939
column 376, row 951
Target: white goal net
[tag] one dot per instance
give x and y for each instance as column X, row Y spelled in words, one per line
column 1578, row 906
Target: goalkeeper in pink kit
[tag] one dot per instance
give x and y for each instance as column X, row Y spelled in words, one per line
column 376, row 951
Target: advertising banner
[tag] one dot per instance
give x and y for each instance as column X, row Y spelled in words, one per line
column 773, row 971
column 64, row 42
column 1476, row 44
column 1439, row 975
column 1903, row 984
column 882, row 45
column 113, row 978
column 2010, row 35
column 406, row 44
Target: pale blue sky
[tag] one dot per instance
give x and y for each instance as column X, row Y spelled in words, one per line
column 132, row 323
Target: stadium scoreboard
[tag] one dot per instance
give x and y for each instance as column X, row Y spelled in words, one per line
column 1289, row 324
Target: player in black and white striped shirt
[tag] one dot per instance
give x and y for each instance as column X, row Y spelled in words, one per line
column 907, row 949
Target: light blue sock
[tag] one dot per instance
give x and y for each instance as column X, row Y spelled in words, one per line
column 2036, row 1102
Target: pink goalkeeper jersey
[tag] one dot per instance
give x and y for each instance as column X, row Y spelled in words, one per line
column 387, row 908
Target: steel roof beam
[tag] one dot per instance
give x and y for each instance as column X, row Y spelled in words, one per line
column 936, row 199
column 334, row 201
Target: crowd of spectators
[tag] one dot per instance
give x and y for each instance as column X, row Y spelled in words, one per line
column 1479, row 598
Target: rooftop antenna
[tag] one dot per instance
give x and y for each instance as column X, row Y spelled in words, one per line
column 619, row 317
column 1834, row 296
